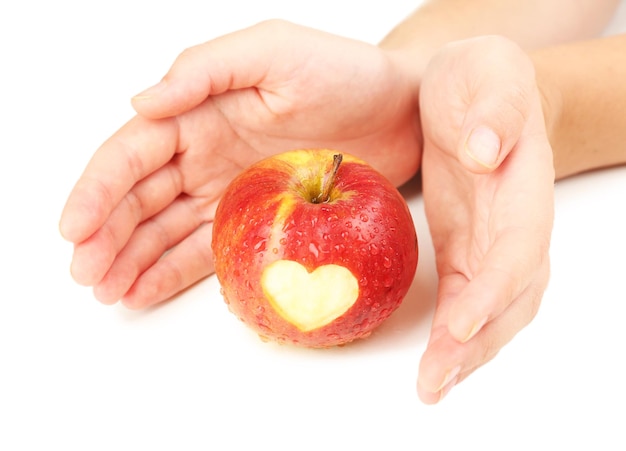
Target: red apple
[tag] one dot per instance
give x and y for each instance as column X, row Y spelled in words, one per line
column 313, row 248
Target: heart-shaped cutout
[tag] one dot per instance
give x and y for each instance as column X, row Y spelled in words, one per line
column 309, row 300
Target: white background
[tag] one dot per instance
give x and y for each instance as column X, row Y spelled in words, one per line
column 76, row 375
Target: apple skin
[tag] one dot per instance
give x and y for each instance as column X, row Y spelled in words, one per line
column 266, row 215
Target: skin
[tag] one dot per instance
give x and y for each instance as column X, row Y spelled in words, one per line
column 437, row 22
column 566, row 120
column 154, row 185
column 492, row 255
column 585, row 109
column 157, row 180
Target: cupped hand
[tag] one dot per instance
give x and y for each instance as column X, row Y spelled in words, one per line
column 140, row 214
column 488, row 182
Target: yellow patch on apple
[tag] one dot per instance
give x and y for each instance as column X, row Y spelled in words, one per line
column 309, row 300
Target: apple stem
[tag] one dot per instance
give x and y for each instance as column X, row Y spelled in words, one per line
column 329, row 181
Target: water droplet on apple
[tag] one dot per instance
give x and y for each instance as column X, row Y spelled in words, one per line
column 364, row 217
column 386, row 262
column 374, row 249
column 274, row 250
column 289, row 225
column 259, row 244
column 263, row 323
column 324, row 248
column 283, row 241
column 314, row 250
column 388, row 282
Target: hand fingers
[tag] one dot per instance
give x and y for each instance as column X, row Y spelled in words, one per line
column 94, row 256
column 446, row 361
column 500, row 103
column 517, row 243
column 135, row 151
column 495, row 104
column 509, row 266
column 146, row 246
column 186, row 264
column 237, row 60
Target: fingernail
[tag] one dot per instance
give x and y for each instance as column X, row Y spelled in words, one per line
column 446, row 388
column 152, row 91
column 476, row 328
column 450, row 376
column 483, row 146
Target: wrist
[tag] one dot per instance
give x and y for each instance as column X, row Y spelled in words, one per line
column 409, row 63
column 410, row 47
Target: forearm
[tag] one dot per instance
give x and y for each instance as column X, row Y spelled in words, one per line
column 584, row 91
column 532, row 24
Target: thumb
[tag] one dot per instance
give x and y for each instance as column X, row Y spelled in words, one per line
column 501, row 90
column 233, row 61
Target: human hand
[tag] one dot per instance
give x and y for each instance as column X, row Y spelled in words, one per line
column 140, row 215
column 488, row 183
